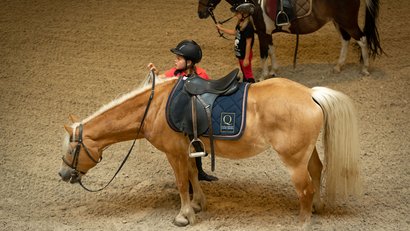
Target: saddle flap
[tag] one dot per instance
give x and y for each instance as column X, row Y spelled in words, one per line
column 179, row 108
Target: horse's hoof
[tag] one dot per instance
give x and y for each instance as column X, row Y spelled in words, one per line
column 272, row 74
column 337, row 69
column 365, row 72
column 265, row 73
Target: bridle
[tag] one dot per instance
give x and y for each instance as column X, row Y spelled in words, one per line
column 80, row 144
column 76, row 152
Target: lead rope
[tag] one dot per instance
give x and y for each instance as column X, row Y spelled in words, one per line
column 133, row 143
column 211, row 13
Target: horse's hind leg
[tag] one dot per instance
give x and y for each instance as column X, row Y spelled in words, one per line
column 345, row 38
column 361, row 39
column 315, row 170
column 267, row 50
column 354, row 31
column 365, row 55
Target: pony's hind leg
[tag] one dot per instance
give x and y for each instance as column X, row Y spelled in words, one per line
column 267, row 50
column 297, row 164
column 355, row 32
column 305, row 191
column 345, row 39
column 315, row 169
column 365, row 55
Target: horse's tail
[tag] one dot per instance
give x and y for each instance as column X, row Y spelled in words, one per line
column 370, row 28
column 341, row 144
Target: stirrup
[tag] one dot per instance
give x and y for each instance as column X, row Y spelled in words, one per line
column 196, row 154
column 283, row 18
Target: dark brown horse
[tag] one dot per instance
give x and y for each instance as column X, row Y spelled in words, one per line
column 343, row 13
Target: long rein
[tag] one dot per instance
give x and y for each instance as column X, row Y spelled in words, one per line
column 133, row 143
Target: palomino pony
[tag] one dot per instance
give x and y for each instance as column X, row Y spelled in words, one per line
column 287, row 117
column 343, row 13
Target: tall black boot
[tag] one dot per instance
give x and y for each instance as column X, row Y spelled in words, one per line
column 201, row 174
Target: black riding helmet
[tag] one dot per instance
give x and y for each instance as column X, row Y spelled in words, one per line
column 245, row 8
column 188, row 49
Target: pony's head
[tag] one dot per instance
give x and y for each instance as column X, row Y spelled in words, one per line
column 79, row 154
column 115, row 122
column 205, row 6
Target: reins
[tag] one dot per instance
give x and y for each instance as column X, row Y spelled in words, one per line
column 80, row 143
column 211, row 13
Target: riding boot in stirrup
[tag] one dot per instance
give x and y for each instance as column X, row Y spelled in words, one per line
column 203, row 176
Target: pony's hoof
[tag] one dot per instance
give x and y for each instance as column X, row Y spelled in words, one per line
column 317, row 209
column 180, row 221
column 197, row 208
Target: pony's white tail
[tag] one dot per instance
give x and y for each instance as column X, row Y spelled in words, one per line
column 341, row 144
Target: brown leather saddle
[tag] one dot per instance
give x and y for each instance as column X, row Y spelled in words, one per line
column 282, row 12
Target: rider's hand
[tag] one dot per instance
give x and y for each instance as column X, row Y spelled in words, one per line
column 152, row 67
column 219, row 26
column 245, row 62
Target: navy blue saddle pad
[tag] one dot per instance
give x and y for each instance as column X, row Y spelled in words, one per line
column 228, row 112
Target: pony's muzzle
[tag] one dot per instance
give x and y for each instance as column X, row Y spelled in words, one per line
column 69, row 175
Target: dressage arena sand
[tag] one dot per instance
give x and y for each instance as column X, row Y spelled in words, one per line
column 60, row 57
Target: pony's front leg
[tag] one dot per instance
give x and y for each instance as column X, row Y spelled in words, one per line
column 180, row 166
column 198, row 202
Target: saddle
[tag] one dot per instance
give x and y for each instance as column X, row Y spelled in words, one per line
column 282, row 12
column 189, row 107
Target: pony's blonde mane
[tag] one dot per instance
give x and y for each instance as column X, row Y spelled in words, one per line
column 123, row 98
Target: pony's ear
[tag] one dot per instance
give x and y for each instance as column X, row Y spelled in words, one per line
column 68, row 129
column 74, row 118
